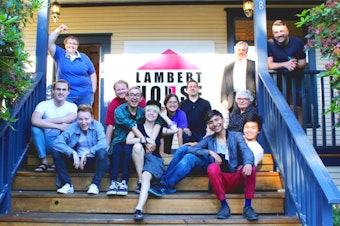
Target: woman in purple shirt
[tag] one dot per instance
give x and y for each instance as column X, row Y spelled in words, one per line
column 178, row 116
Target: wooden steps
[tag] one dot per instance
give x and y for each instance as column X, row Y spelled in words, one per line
column 35, row 201
column 71, row 219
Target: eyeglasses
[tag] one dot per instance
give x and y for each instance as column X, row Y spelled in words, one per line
column 172, row 102
column 72, row 43
column 242, row 99
column 134, row 95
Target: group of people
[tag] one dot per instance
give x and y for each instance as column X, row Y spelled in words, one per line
column 142, row 131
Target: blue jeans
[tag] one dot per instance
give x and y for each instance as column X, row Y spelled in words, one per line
column 181, row 168
column 43, row 144
column 84, row 99
column 61, row 161
column 121, row 150
column 195, row 137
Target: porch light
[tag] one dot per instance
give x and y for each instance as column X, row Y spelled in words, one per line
column 55, row 11
column 248, row 7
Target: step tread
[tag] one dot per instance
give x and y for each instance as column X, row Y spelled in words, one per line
column 183, row 219
column 131, row 195
column 265, row 181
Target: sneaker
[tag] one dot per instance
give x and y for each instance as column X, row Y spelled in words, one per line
column 122, row 189
column 138, row 187
column 113, row 188
column 224, row 213
column 249, row 214
column 158, row 190
column 138, row 215
column 93, row 189
column 66, row 189
column 170, row 191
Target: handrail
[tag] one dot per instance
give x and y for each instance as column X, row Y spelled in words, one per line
column 14, row 143
column 309, row 188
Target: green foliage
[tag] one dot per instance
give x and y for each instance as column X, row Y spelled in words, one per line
column 14, row 81
column 336, row 215
column 323, row 24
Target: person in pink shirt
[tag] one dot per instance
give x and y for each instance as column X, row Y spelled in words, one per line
column 121, row 88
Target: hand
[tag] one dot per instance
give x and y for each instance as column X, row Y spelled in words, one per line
column 291, row 64
column 247, row 169
column 76, row 162
column 217, row 158
column 149, row 148
column 225, row 105
column 187, row 131
column 63, row 126
column 83, row 162
column 62, row 28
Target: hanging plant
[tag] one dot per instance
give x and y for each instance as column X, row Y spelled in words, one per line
column 323, row 24
column 14, row 80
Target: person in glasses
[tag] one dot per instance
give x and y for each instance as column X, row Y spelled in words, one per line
column 245, row 109
column 73, row 66
column 171, row 103
column 126, row 117
column 120, row 88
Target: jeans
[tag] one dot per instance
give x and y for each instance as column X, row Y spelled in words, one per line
column 223, row 183
column 43, row 144
column 61, row 162
column 84, row 99
column 195, row 137
column 180, row 168
column 120, row 149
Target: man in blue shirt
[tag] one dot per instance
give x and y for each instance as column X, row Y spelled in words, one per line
column 286, row 53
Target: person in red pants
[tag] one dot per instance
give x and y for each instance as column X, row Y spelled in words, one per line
column 225, row 179
column 232, row 164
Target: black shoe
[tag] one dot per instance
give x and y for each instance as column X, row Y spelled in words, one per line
column 158, row 190
column 224, row 213
column 138, row 215
column 138, row 187
column 249, row 214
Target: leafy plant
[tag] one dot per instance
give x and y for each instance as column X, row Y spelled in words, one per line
column 336, row 215
column 323, row 24
column 14, row 81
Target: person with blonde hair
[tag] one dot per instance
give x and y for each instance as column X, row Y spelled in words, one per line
column 82, row 145
column 149, row 164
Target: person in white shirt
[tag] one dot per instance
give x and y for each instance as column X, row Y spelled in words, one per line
column 251, row 129
column 238, row 75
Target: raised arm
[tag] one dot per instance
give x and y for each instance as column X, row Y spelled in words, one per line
column 53, row 37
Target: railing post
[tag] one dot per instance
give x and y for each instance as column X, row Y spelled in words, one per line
column 41, row 46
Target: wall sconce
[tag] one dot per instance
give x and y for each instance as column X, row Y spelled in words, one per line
column 55, row 10
column 248, row 7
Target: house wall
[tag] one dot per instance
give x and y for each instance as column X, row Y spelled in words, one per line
column 131, row 23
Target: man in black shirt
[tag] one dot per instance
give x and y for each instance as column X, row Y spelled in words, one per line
column 195, row 109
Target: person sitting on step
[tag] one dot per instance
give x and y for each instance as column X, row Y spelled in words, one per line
column 149, row 164
column 83, row 144
column 49, row 119
column 126, row 117
column 229, row 173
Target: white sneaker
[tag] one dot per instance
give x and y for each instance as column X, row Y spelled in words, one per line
column 66, row 189
column 113, row 188
column 93, row 189
column 122, row 189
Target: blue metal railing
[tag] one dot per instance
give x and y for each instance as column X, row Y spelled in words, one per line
column 309, row 189
column 14, row 143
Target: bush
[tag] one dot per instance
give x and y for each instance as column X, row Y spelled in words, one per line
column 14, row 81
column 323, row 24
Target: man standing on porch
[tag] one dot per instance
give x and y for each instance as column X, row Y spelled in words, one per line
column 238, row 75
